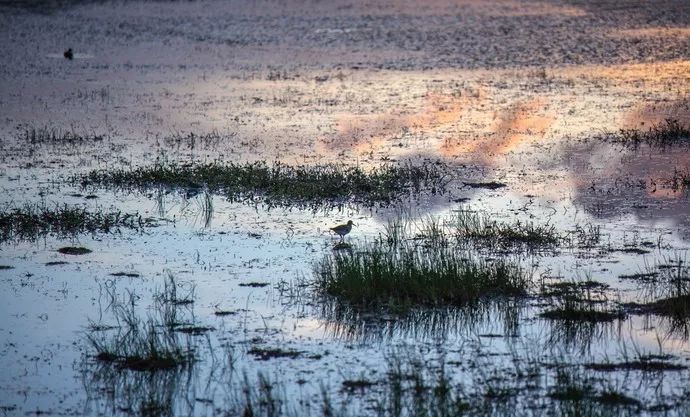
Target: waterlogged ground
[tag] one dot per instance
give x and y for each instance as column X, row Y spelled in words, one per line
column 516, row 93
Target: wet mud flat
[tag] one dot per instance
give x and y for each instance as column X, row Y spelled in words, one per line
column 517, row 173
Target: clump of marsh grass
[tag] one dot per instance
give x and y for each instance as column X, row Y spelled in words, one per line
column 150, row 343
column 670, row 132
column 33, row 221
column 481, row 229
column 579, row 301
column 668, row 290
column 279, row 183
column 680, row 180
column 410, row 275
column 140, row 344
column 468, row 224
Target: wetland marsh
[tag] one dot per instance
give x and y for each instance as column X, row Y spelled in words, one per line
column 517, row 171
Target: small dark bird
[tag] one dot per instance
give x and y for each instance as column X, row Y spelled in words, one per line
column 343, row 229
column 69, row 54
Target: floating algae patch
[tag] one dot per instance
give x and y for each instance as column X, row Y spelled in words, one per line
column 263, row 354
column 489, row 185
column 636, row 365
column 125, row 274
column 74, row 250
column 254, row 284
column 282, row 184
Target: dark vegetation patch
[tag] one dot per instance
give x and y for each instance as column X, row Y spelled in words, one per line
column 668, row 290
column 142, row 347
column 588, row 291
column 6, row 267
column 571, row 393
column 125, row 274
column 357, row 384
column 667, row 133
column 585, row 392
column 590, row 315
column 194, row 330
column 149, row 363
column 101, row 327
column 408, row 275
column 223, row 313
column 572, row 386
column 192, row 141
column 267, row 354
column 631, row 250
column 342, row 246
column 55, row 136
column 678, row 307
column 282, row 184
column 579, row 301
column 53, row 263
column 642, row 276
column 637, row 365
column 254, row 284
column 491, row 185
column 74, row 250
column 482, row 227
column 617, row 398
column 31, row 222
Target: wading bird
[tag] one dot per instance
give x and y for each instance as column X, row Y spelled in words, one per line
column 343, row 229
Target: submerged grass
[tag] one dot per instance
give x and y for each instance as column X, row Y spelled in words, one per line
column 141, row 345
column 33, row 221
column 667, row 290
column 151, row 343
column 579, row 301
column 279, row 183
column 53, row 136
column 413, row 276
column 414, row 387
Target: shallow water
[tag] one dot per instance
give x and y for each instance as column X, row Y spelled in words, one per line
column 517, row 92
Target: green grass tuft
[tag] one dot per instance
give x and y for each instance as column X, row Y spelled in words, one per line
column 279, row 183
column 34, row 221
column 480, row 226
column 409, row 275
